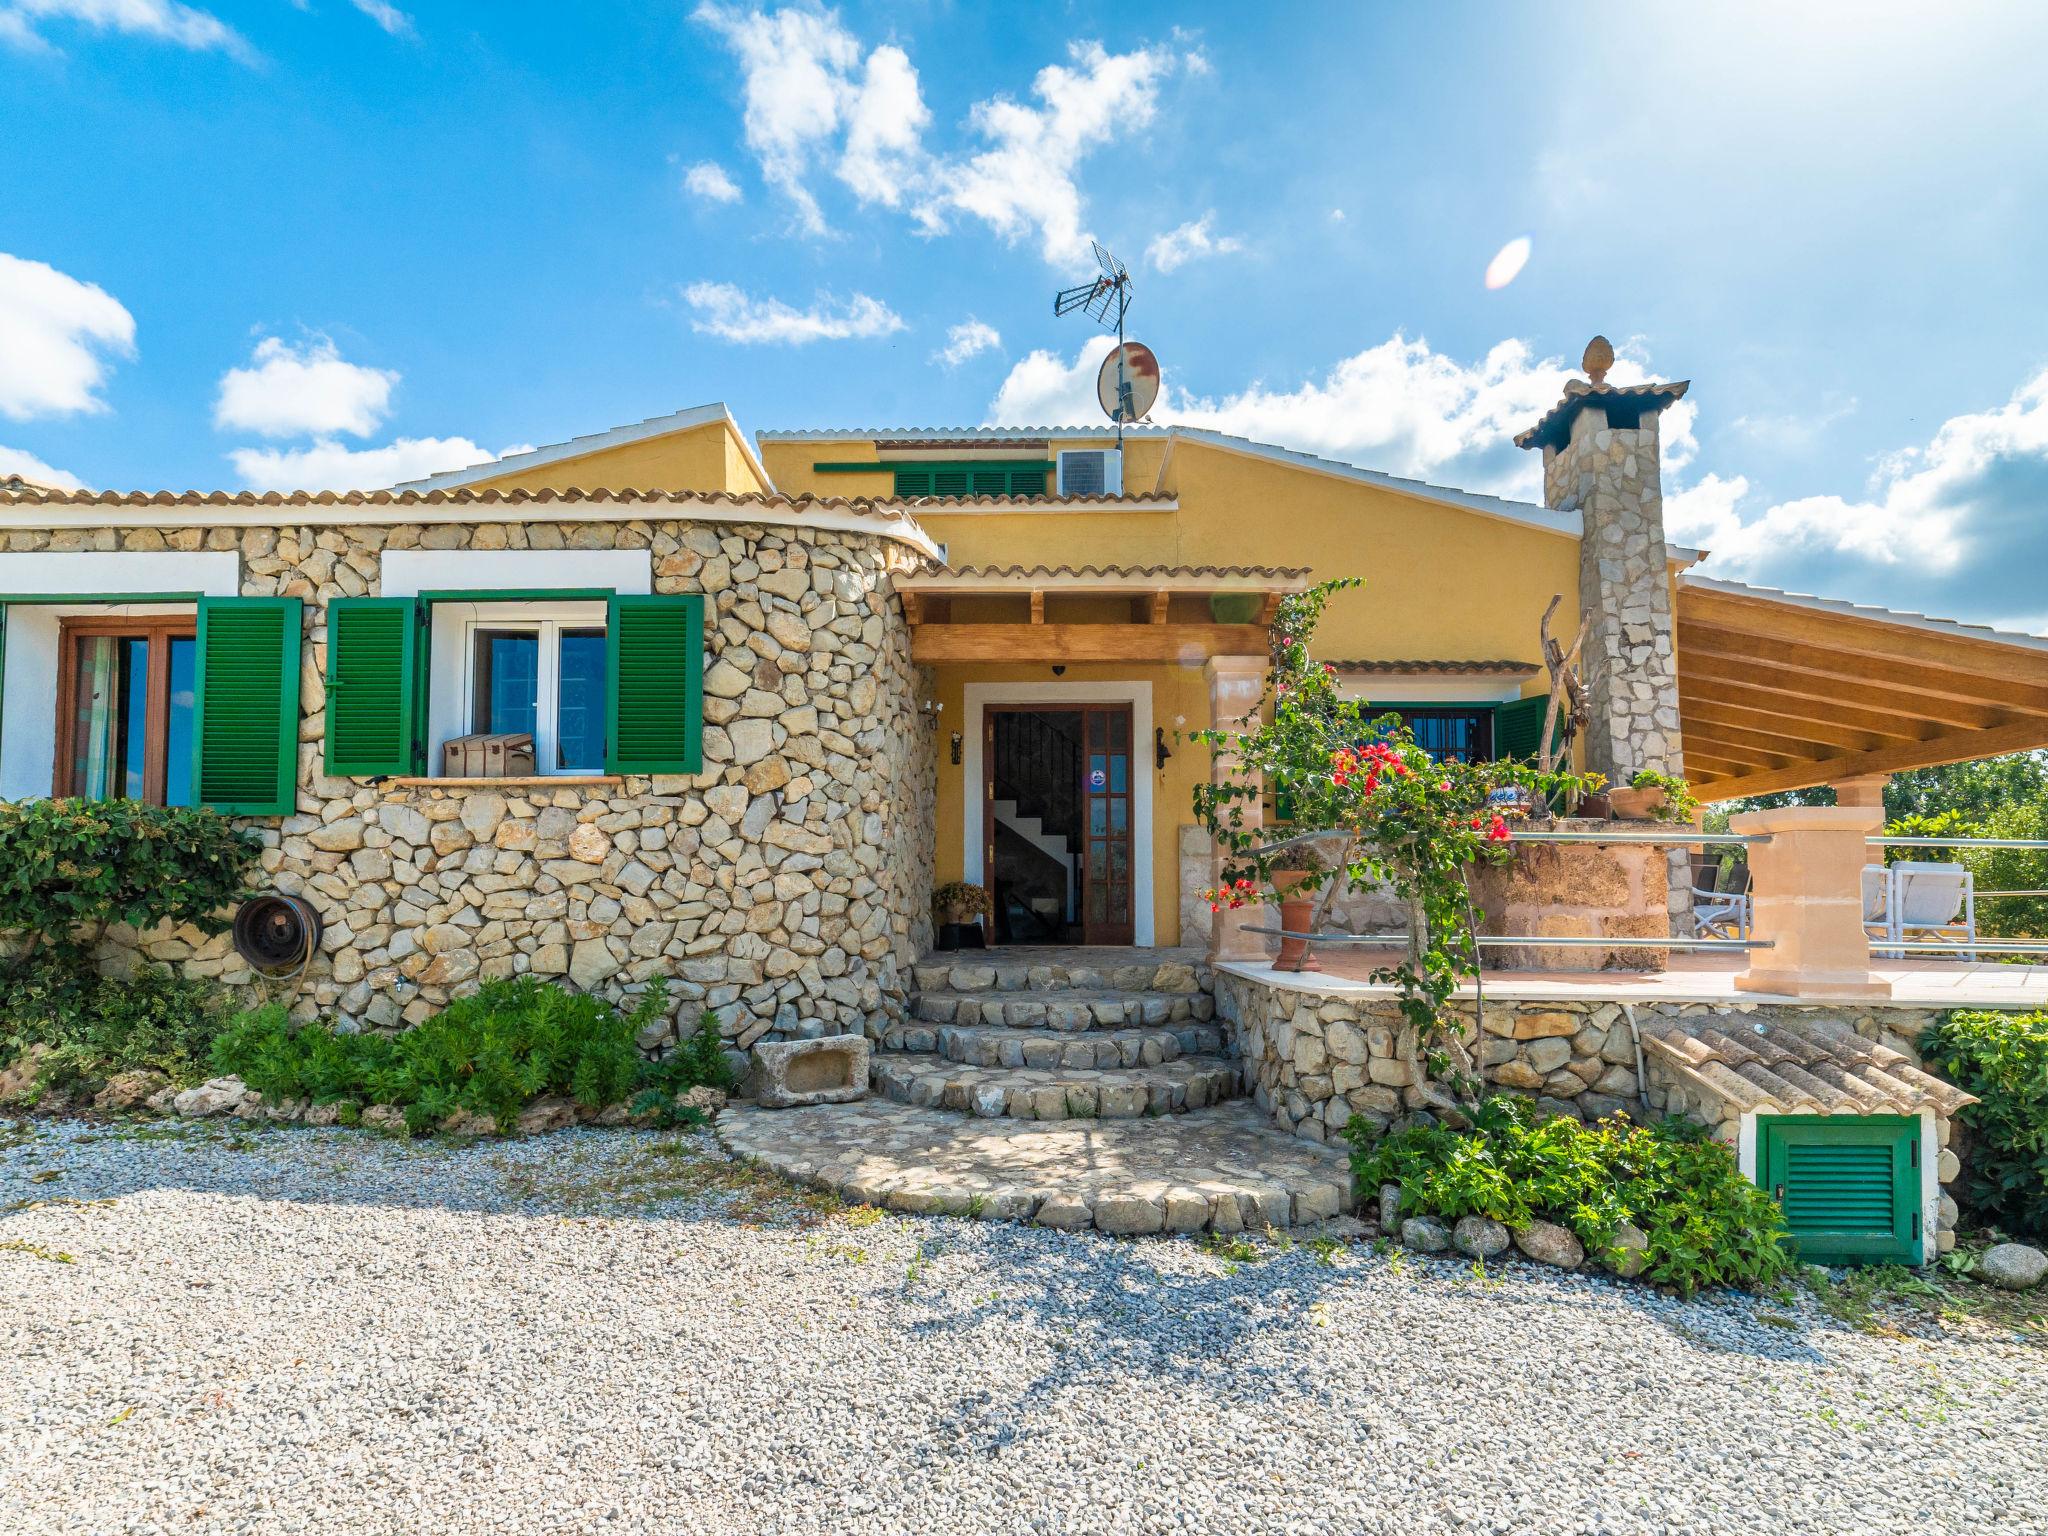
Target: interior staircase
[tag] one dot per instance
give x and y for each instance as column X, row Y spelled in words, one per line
column 1052, row 844
column 1060, row 1034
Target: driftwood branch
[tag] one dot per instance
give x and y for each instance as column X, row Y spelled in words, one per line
column 1567, row 693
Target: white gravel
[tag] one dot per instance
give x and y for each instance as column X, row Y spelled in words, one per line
column 291, row 1330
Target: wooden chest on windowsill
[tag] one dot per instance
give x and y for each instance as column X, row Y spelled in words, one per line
column 503, row 755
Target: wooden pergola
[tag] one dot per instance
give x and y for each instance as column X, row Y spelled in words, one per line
column 1066, row 614
column 1779, row 692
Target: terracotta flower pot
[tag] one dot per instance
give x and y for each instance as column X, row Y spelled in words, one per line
column 1627, row 804
column 1296, row 912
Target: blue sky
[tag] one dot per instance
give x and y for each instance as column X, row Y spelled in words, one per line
column 346, row 241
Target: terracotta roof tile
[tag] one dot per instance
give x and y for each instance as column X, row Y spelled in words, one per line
column 1626, row 403
column 1128, row 572
column 1812, row 1063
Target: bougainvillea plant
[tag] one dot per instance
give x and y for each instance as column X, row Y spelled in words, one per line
column 1395, row 818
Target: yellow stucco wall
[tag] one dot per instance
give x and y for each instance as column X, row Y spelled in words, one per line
column 701, row 458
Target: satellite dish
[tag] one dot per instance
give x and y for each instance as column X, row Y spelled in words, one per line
column 1128, row 383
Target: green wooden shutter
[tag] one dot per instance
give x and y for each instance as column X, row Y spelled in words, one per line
column 913, row 482
column 374, row 660
column 1850, row 1185
column 654, row 685
column 1518, row 727
column 245, row 737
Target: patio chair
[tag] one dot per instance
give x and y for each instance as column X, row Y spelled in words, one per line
column 1719, row 914
column 1936, row 902
column 1878, row 906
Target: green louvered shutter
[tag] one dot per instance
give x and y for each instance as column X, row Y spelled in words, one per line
column 373, row 688
column 1518, row 728
column 245, row 737
column 654, row 685
column 1850, row 1185
column 913, row 482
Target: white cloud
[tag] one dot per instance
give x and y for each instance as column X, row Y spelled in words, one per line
column 1336, row 215
column 967, row 339
column 1023, row 183
column 815, row 96
column 1955, row 527
column 164, row 20
column 1177, row 247
column 802, row 92
column 729, row 313
column 16, row 461
column 386, row 15
column 707, row 179
column 328, row 465
column 308, row 390
column 1398, row 407
column 56, row 334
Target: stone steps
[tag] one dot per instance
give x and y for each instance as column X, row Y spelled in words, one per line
column 1228, row 1169
column 1057, row 1093
column 1063, row 970
column 977, row 1046
column 1068, row 1009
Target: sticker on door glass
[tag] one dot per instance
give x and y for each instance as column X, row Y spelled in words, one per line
column 1097, row 778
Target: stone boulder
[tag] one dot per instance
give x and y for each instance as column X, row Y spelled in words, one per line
column 2013, row 1267
column 1479, row 1237
column 829, row 1070
column 18, row 1078
column 1548, row 1243
column 219, row 1096
column 384, row 1117
column 1425, row 1234
column 130, row 1090
column 545, row 1115
column 703, row 1099
column 1632, row 1245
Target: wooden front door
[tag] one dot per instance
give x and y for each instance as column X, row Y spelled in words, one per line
column 1108, row 796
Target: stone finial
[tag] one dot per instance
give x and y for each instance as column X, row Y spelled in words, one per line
column 1598, row 359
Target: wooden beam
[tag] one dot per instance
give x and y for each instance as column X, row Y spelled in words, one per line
column 913, row 607
column 1889, row 640
column 1271, row 610
column 1741, row 750
column 1913, row 677
column 1956, row 747
column 1735, row 687
column 1159, row 605
column 1807, row 738
column 1185, row 644
column 1723, row 769
column 1037, row 605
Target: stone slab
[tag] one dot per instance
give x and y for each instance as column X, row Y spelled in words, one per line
column 791, row 1073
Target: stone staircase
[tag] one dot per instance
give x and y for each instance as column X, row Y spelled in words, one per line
column 1059, row 1034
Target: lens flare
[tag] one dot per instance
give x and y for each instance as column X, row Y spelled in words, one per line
column 1507, row 265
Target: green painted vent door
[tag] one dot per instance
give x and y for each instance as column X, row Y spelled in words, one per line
column 1850, row 1185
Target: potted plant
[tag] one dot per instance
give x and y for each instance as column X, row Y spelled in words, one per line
column 1293, row 876
column 960, row 907
column 1653, row 797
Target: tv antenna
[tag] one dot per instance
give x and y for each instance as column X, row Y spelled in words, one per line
column 1111, row 291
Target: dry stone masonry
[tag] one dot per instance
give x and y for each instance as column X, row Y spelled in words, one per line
column 784, row 887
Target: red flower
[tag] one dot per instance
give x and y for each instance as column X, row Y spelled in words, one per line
column 1497, row 830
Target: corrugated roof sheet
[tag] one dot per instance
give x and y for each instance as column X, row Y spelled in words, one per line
column 1814, row 1064
column 1444, row 668
column 1128, row 572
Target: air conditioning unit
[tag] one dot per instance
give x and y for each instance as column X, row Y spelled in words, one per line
column 1091, row 472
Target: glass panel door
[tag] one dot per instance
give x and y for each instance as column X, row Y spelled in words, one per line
column 1107, row 792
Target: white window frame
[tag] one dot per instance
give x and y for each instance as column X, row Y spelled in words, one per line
column 547, row 621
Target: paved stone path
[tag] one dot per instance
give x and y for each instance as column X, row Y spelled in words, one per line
column 1227, row 1169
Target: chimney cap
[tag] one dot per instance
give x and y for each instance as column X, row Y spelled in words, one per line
column 1626, row 406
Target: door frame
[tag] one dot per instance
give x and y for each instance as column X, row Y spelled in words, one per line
column 974, row 821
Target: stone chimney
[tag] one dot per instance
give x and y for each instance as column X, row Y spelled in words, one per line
column 1600, row 460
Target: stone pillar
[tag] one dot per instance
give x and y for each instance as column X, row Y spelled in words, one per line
column 1806, row 892
column 1236, row 685
column 1865, row 792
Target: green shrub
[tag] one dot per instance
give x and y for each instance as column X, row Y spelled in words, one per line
column 72, row 864
column 1707, row 1225
column 490, row 1053
column 99, row 1026
column 2003, row 1059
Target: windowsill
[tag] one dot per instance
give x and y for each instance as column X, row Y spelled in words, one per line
column 533, row 781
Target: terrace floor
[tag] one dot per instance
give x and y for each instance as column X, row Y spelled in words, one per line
column 1915, row 983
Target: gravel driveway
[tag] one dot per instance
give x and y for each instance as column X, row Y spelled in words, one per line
column 290, row 1330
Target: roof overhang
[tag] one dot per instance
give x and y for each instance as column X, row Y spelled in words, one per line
column 596, row 442
column 1779, row 691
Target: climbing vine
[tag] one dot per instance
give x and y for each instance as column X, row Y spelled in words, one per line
column 1362, row 803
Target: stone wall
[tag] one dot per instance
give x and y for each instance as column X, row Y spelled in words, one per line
column 786, row 887
column 1583, row 890
column 1317, row 1060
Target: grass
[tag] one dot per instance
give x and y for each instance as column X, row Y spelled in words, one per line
column 688, row 1167
column 35, row 1251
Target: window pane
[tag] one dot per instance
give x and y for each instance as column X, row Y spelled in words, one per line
column 134, row 716
column 178, row 745
column 507, row 680
column 95, row 714
column 579, row 715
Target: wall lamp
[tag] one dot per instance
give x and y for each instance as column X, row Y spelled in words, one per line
column 1160, row 754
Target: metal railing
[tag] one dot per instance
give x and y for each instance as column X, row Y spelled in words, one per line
column 1506, row 941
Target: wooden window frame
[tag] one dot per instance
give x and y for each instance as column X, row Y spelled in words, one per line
column 160, row 630
column 549, row 624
